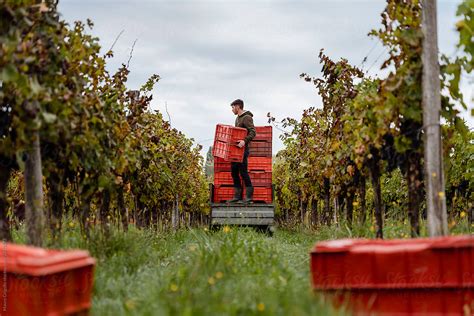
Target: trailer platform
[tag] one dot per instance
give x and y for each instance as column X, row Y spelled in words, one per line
column 259, row 215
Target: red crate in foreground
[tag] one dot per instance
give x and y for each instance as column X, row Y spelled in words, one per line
column 424, row 276
column 46, row 282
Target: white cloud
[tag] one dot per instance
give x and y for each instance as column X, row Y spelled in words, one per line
column 209, row 53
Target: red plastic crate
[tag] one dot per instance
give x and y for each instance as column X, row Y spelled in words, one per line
column 422, row 301
column 260, row 164
column 228, row 151
column 425, row 275
column 221, row 165
column 261, row 194
column 261, row 178
column 255, row 164
column 260, row 149
column 223, row 178
column 223, row 193
column 46, row 282
column 229, row 134
column 263, row 133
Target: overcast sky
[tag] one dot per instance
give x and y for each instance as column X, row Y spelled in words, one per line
column 209, row 53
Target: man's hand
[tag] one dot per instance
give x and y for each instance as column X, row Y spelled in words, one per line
column 240, row 143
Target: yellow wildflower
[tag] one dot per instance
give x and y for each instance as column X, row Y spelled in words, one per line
column 211, row 281
column 261, row 307
column 219, row 275
column 130, row 304
column 173, row 287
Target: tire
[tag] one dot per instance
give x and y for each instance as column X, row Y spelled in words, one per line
column 265, row 229
column 270, row 231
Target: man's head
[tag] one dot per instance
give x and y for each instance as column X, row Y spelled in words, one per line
column 237, row 105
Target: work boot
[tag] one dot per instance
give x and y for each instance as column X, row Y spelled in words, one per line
column 237, row 195
column 249, row 195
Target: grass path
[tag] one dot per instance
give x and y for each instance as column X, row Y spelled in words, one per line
column 193, row 272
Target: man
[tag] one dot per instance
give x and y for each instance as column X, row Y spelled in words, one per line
column 244, row 119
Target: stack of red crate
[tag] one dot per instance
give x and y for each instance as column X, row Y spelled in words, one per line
column 261, row 145
column 223, row 183
column 259, row 166
column 224, row 151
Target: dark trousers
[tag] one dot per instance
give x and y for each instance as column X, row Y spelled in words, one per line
column 240, row 168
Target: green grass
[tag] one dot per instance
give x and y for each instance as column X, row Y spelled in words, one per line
column 196, row 272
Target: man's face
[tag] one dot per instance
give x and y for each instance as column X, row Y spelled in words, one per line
column 235, row 109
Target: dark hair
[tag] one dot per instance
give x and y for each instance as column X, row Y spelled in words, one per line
column 238, row 102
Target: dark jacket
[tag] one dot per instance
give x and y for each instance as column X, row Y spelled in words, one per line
column 245, row 120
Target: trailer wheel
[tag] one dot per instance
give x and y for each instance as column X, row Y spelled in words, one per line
column 270, row 230
column 265, row 229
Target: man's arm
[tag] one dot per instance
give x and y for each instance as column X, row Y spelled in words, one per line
column 248, row 123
